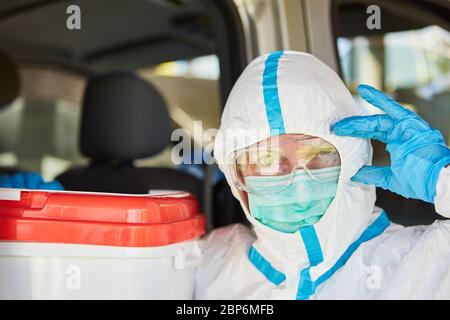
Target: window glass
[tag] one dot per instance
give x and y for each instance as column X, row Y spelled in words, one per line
column 191, row 90
column 39, row 131
column 412, row 66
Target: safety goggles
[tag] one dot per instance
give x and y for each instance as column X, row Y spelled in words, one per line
column 281, row 157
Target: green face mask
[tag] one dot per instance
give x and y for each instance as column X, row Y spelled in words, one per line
column 301, row 203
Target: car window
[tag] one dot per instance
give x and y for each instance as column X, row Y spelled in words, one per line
column 39, row 131
column 413, row 66
column 191, row 90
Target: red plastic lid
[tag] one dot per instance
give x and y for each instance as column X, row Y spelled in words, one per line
column 100, row 218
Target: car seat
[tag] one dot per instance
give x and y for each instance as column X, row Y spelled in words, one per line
column 124, row 118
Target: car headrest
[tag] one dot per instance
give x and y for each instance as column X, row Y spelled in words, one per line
column 123, row 118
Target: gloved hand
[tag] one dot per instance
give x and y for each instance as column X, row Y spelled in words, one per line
column 418, row 152
column 28, row 180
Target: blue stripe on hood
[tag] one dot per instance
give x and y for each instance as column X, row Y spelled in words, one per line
column 270, row 91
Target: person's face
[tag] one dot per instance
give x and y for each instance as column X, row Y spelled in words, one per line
column 282, row 155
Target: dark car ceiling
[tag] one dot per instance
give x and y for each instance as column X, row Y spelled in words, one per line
column 398, row 15
column 114, row 33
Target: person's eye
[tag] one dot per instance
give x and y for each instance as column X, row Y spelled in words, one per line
column 274, row 167
column 284, row 166
column 323, row 160
column 325, row 154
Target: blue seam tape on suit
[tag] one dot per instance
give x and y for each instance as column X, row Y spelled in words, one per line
column 315, row 256
column 270, row 92
column 374, row 230
column 312, row 244
column 264, row 266
column 307, row 287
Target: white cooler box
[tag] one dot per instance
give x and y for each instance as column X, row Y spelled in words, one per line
column 64, row 245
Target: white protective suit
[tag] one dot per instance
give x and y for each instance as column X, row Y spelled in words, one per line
column 354, row 251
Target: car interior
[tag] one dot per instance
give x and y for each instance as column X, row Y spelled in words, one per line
column 112, row 137
column 95, row 108
column 408, row 58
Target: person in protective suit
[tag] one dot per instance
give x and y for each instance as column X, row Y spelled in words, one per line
column 294, row 147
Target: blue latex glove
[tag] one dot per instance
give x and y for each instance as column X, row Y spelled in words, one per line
column 418, row 152
column 28, row 180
